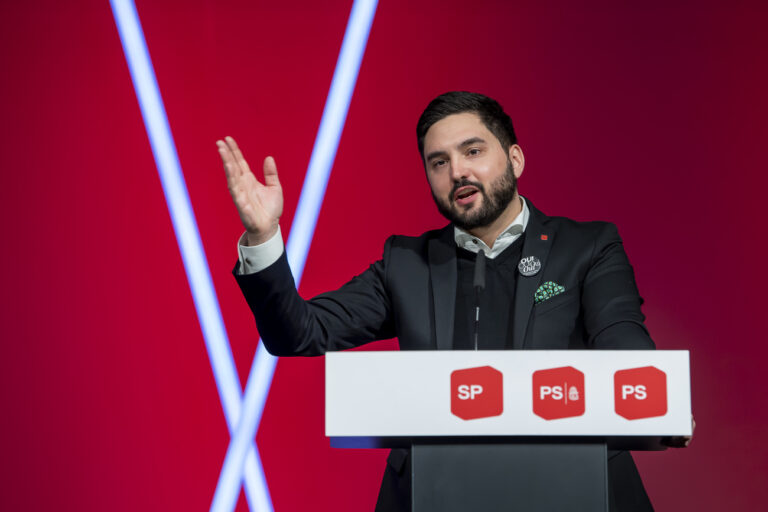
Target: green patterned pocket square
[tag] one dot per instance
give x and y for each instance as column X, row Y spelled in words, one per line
column 547, row 291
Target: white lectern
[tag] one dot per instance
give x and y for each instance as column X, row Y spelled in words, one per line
column 492, row 428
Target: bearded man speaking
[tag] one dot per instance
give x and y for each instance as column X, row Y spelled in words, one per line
column 420, row 291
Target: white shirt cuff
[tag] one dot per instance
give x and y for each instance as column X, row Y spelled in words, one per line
column 255, row 258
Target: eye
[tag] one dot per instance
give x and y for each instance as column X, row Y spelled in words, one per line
column 473, row 151
column 438, row 163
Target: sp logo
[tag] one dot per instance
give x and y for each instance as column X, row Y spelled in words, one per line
column 477, row 393
column 467, row 392
column 558, row 393
column 640, row 393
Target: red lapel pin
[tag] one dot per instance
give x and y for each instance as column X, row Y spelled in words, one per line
column 544, row 237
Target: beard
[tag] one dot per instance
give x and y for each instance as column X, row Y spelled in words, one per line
column 494, row 202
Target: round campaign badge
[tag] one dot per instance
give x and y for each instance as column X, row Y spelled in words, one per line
column 529, row 266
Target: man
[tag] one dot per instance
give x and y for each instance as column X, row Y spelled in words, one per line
column 577, row 290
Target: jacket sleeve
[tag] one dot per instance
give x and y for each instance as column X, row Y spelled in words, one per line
column 355, row 314
column 610, row 298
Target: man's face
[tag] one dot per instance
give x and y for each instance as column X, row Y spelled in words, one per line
column 473, row 179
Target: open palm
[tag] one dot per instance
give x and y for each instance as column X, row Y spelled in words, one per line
column 259, row 204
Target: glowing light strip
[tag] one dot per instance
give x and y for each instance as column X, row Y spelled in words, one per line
column 188, row 238
column 302, row 230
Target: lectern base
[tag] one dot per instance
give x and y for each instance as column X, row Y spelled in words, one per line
column 525, row 477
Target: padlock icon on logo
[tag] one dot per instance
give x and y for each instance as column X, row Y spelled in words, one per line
column 573, row 393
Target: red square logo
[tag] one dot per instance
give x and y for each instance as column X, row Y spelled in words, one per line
column 477, row 393
column 640, row 393
column 558, row 393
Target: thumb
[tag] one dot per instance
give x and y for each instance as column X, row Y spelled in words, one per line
column 270, row 173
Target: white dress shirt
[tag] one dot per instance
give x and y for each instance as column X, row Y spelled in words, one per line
column 504, row 240
column 254, row 258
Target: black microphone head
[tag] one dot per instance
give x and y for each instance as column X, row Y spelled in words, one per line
column 480, row 270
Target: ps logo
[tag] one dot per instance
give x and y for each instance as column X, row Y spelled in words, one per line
column 640, row 393
column 558, row 393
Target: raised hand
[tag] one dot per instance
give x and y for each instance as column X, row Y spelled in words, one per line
column 260, row 205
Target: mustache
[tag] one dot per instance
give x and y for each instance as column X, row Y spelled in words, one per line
column 464, row 183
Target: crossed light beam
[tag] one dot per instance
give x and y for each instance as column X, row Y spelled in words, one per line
column 242, row 411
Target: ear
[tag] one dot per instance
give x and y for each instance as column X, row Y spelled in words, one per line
column 517, row 158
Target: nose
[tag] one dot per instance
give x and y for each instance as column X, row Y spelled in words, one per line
column 459, row 171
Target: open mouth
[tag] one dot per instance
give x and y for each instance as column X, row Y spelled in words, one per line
column 465, row 195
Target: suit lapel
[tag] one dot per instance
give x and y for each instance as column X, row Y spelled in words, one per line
column 443, row 274
column 538, row 241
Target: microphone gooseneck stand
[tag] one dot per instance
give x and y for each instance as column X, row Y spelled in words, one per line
column 479, row 285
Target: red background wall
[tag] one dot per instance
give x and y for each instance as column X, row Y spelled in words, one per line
column 651, row 115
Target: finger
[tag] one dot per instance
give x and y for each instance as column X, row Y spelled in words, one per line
column 239, row 165
column 224, row 151
column 677, row 441
column 237, row 154
column 228, row 159
column 270, row 173
column 233, row 174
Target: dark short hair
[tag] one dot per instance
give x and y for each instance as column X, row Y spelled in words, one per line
column 457, row 102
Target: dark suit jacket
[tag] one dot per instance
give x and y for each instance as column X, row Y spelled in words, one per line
column 411, row 292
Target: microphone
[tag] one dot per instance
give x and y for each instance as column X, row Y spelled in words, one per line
column 479, row 285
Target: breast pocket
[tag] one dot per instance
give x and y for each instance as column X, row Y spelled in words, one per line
column 556, row 302
column 555, row 321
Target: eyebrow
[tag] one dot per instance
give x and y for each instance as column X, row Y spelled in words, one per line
column 464, row 144
column 473, row 140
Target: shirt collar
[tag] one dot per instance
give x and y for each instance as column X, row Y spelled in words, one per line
column 504, row 240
